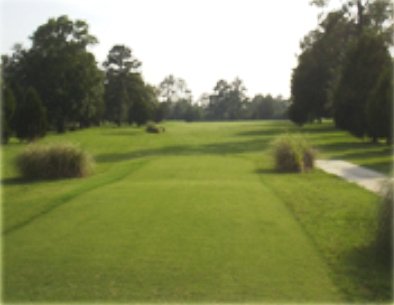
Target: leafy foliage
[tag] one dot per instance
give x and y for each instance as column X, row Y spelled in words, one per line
column 365, row 60
column 380, row 107
column 7, row 113
column 31, row 121
column 62, row 71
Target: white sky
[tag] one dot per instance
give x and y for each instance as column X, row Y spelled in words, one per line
column 200, row 41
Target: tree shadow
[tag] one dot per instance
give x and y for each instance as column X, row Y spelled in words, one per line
column 183, row 150
column 368, row 274
column 18, row 181
column 262, row 132
column 121, row 132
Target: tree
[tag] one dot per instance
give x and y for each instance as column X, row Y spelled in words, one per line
column 59, row 67
column 365, row 60
column 267, row 107
column 324, row 53
column 318, row 65
column 379, row 107
column 31, row 122
column 7, row 113
column 120, row 64
column 174, row 89
column 141, row 109
column 377, row 15
column 227, row 101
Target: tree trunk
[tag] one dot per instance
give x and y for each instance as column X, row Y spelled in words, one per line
column 360, row 16
column 60, row 125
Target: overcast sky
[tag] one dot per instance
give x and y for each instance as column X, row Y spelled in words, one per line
column 200, row 41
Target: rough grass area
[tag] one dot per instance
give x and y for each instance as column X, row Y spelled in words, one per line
column 53, row 162
column 197, row 214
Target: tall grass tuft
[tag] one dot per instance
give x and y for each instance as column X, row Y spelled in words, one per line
column 384, row 238
column 53, row 162
column 293, row 153
column 153, row 128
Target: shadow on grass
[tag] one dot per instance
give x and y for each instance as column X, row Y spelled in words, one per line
column 179, row 150
column 265, row 132
column 122, row 132
column 369, row 274
column 16, row 181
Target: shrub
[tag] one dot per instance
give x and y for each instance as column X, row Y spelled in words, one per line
column 153, row 128
column 53, row 162
column 292, row 153
column 384, row 239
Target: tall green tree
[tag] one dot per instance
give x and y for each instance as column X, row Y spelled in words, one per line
column 324, row 54
column 119, row 67
column 379, row 107
column 61, row 69
column 141, row 109
column 365, row 60
column 31, row 121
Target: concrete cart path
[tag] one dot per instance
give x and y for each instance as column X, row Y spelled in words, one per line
column 364, row 177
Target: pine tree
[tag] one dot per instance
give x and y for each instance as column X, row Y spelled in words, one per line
column 380, row 108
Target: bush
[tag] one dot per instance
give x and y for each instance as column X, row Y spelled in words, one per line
column 292, row 153
column 153, row 128
column 53, row 162
column 384, row 239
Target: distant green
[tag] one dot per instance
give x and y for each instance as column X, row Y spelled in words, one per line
column 195, row 214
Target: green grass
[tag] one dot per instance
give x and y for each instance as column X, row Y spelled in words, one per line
column 195, row 214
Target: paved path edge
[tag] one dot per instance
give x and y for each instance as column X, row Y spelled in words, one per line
column 367, row 178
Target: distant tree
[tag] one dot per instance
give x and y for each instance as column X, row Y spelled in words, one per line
column 119, row 67
column 227, row 100
column 141, row 109
column 174, row 89
column 267, row 107
column 379, row 107
column 7, row 113
column 159, row 109
column 31, row 121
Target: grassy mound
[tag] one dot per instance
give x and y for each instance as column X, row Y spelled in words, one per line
column 292, row 153
column 53, row 162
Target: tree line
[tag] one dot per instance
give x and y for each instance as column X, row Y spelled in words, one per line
column 58, row 85
column 345, row 70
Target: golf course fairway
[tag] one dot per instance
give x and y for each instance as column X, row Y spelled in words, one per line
column 196, row 214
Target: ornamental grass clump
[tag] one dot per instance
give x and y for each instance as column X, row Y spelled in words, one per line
column 292, row 153
column 384, row 238
column 53, row 162
column 153, row 128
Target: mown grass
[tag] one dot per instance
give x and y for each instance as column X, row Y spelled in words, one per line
column 194, row 214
